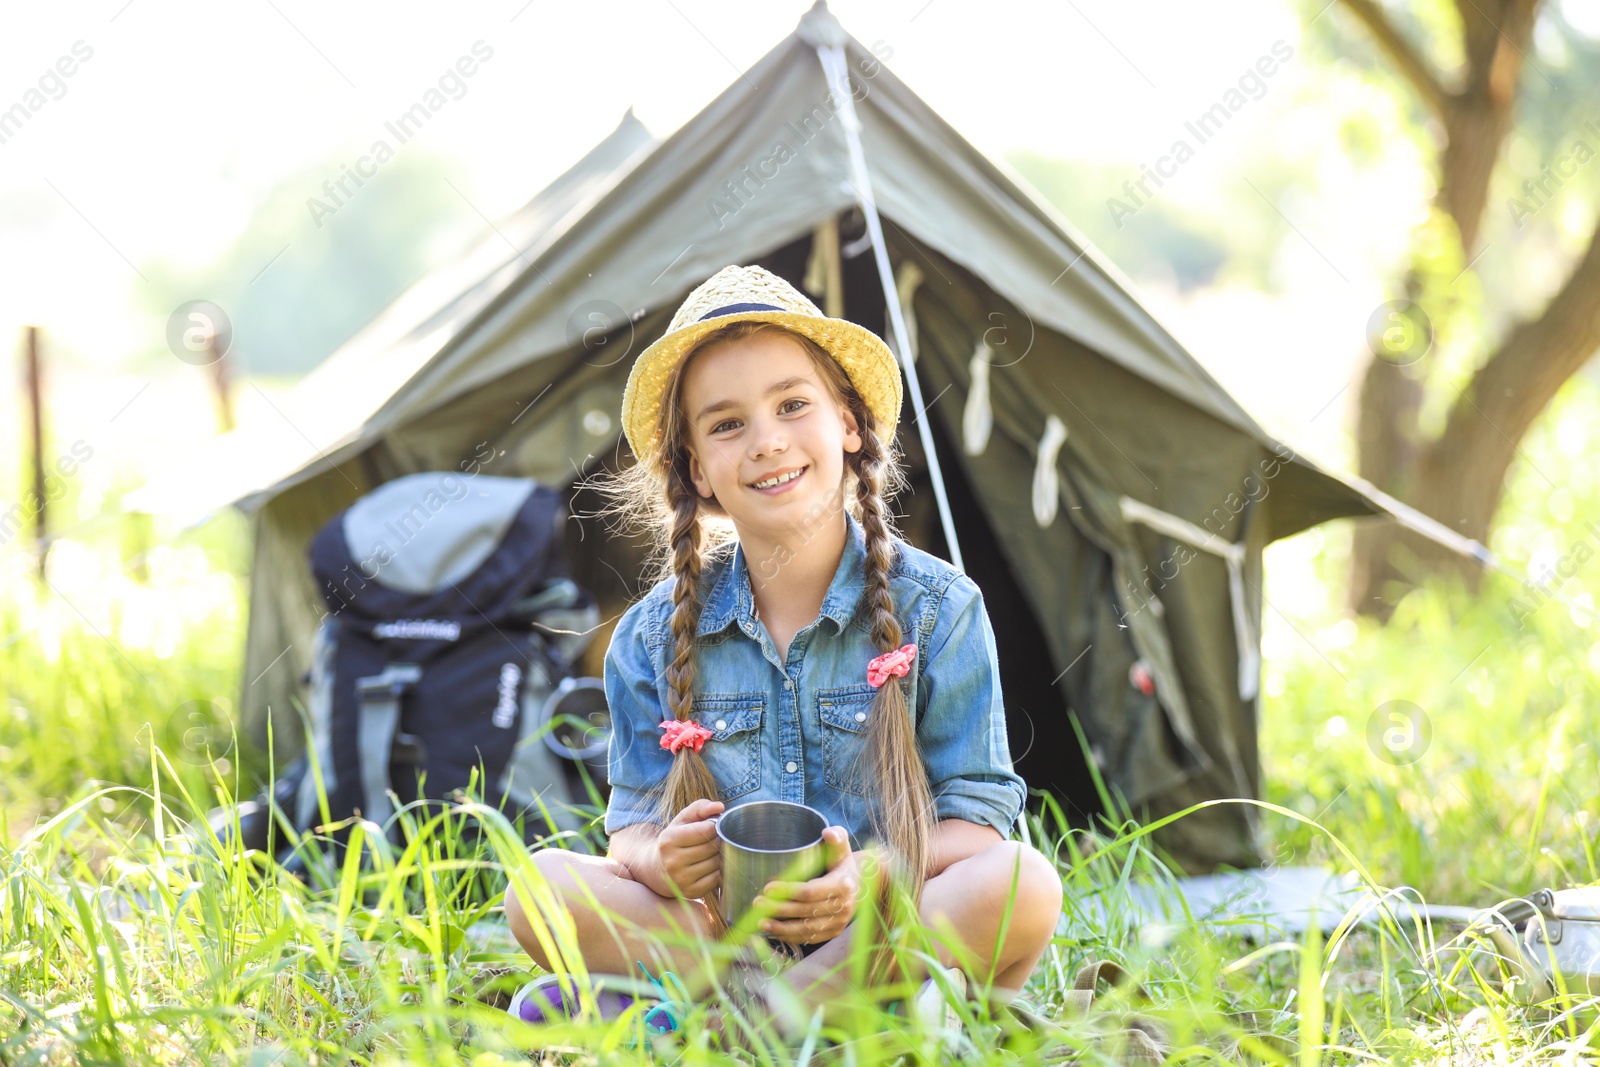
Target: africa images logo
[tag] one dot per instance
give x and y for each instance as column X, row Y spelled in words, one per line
column 1549, row 579
column 451, row 85
column 52, row 85
column 1251, row 85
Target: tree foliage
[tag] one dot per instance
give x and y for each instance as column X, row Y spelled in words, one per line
column 299, row 280
column 1503, row 281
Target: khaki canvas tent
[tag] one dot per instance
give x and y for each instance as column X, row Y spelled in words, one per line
column 1109, row 496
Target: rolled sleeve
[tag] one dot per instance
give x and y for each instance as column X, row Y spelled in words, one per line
column 962, row 717
column 636, row 764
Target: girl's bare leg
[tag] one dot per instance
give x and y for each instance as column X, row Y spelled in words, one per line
column 963, row 906
column 612, row 942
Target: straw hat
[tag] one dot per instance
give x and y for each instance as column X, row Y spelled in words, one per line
column 737, row 294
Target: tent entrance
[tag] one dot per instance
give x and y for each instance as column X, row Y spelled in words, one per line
column 1044, row 748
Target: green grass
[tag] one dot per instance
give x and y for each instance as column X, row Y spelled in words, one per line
column 128, row 936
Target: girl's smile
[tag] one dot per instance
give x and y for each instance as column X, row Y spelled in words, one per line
column 779, row 481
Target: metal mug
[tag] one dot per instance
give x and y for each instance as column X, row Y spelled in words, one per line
column 765, row 841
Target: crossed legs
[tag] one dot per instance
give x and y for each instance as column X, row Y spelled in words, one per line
column 964, row 907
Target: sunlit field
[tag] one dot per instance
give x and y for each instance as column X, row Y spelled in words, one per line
column 130, row 934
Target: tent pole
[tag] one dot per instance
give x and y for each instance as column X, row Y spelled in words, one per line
column 833, row 67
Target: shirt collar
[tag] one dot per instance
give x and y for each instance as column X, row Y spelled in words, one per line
column 731, row 599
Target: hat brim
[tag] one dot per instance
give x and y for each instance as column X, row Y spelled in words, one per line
column 872, row 368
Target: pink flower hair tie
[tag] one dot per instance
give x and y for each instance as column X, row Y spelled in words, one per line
column 682, row 733
column 891, row 665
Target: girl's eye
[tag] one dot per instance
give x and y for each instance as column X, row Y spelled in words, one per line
column 729, row 422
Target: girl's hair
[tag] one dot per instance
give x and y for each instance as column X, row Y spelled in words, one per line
column 685, row 527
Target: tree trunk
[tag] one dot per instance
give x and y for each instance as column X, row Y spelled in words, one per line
column 1458, row 478
column 1461, row 475
column 1391, row 396
column 1495, row 37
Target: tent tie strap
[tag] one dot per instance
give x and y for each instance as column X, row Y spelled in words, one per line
column 977, row 419
column 906, row 280
column 1046, row 482
column 1245, row 631
column 824, row 272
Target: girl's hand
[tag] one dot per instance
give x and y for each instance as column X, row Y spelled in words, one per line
column 806, row 913
column 691, row 857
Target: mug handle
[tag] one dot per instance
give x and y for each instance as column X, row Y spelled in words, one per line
column 716, row 820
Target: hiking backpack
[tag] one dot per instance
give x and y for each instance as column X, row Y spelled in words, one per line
column 447, row 649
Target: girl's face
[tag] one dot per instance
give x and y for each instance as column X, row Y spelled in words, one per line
column 757, row 407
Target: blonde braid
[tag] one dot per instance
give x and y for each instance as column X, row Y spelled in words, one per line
column 689, row 779
column 903, row 817
column 686, row 567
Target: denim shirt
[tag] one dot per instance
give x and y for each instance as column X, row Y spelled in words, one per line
column 792, row 727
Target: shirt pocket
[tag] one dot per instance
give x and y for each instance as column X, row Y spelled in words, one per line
column 844, row 713
column 733, row 751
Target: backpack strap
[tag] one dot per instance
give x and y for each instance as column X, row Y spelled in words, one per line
column 1087, row 983
column 1141, row 1040
column 378, row 697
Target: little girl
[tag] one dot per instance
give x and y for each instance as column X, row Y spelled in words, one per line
column 795, row 649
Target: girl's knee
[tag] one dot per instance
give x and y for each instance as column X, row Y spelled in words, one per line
column 579, row 884
column 516, row 916
column 1038, row 892
column 556, row 868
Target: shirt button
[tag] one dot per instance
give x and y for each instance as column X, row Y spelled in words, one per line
column 789, row 684
column 722, row 724
column 861, row 716
column 791, row 766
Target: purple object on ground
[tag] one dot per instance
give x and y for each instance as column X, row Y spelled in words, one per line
column 611, row 1004
column 533, row 1012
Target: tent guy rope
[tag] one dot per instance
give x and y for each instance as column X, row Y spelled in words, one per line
column 833, row 66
